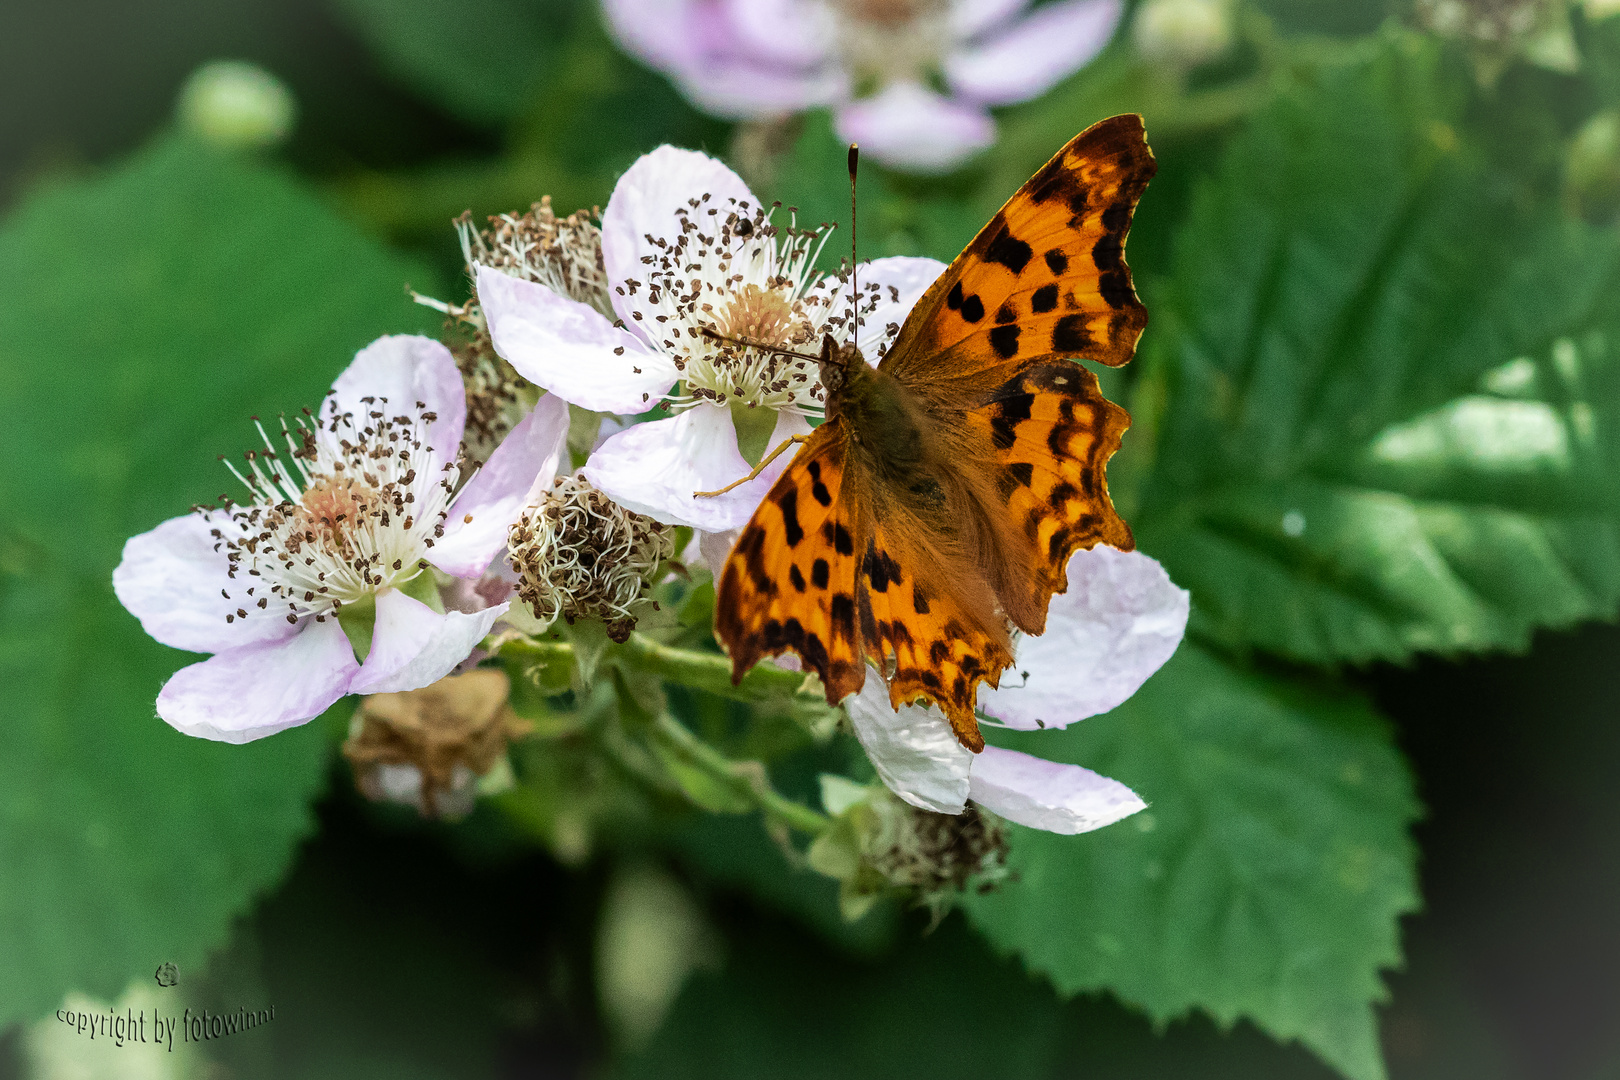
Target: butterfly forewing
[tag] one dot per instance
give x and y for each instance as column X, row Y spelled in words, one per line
column 1047, row 276
column 791, row 581
column 1053, row 432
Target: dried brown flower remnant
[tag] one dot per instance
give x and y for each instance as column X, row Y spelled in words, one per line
column 440, row 739
column 562, row 253
column 578, row 554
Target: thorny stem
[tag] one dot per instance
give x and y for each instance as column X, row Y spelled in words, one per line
column 712, row 674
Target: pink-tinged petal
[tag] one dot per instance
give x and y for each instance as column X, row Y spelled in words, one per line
column 413, row 646
column 759, row 92
column 1024, row 61
column 405, row 369
column 970, row 18
column 714, row 548
column 913, row 750
column 901, row 280
column 568, row 348
column 792, row 33
column 668, row 34
column 1048, row 794
column 247, row 693
column 175, row 583
column 523, row 465
column 908, row 126
column 644, row 203
column 655, row 468
column 1121, row 619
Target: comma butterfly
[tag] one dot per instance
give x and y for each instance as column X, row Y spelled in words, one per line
column 942, row 497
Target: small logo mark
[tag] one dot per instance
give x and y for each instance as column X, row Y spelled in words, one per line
column 167, row 975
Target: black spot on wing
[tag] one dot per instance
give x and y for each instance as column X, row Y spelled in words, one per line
column 835, row 534
column 1044, row 300
column 1008, row 250
column 819, row 573
column 1057, row 262
column 1071, row 336
column 972, row 308
column 797, row 578
column 788, row 503
column 843, row 617
column 1004, row 339
column 953, row 299
column 1006, row 313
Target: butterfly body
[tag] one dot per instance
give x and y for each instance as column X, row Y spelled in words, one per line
column 936, row 507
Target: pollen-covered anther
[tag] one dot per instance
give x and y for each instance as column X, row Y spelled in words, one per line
column 725, row 293
column 344, row 511
column 578, row 554
column 562, row 253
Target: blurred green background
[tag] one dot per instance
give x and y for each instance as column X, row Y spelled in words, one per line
column 1395, row 217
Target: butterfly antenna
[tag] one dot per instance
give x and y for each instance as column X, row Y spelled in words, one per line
column 854, row 293
column 715, row 335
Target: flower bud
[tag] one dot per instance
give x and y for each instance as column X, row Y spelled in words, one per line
column 579, row 554
column 1183, row 33
column 1498, row 32
column 1592, row 169
column 430, row 748
column 236, row 105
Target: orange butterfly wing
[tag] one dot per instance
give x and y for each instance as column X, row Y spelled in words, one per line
column 791, row 580
column 1046, row 276
column 1029, row 434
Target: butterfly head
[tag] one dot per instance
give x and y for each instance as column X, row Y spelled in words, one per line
column 839, row 362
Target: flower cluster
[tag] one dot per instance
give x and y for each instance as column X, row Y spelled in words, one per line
column 910, row 80
column 366, row 556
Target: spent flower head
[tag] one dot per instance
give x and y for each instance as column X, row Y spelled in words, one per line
column 578, row 554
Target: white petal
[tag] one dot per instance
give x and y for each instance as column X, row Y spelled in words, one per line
column 413, row 646
column 908, row 126
column 247, row 693
column 173, row 581
column 567, row 347
column 1119, row 622
column 523, row 465
column 1048, row 794
column 1053, row 41
column 654, row 469
column 969, row 18
column 909, row 277
column 644, row 203
column 913, row 750
column 714, row 548
column 406, row 369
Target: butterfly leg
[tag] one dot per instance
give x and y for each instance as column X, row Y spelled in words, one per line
column 764, row 461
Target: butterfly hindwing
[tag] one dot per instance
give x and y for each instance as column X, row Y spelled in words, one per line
column 916, row 630
column 791, row 581
column 1046, row 277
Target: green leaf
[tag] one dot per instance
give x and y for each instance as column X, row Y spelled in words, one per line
column 482, row 60
column 1390, row 394
column 148, row 313
column 1264, row 880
